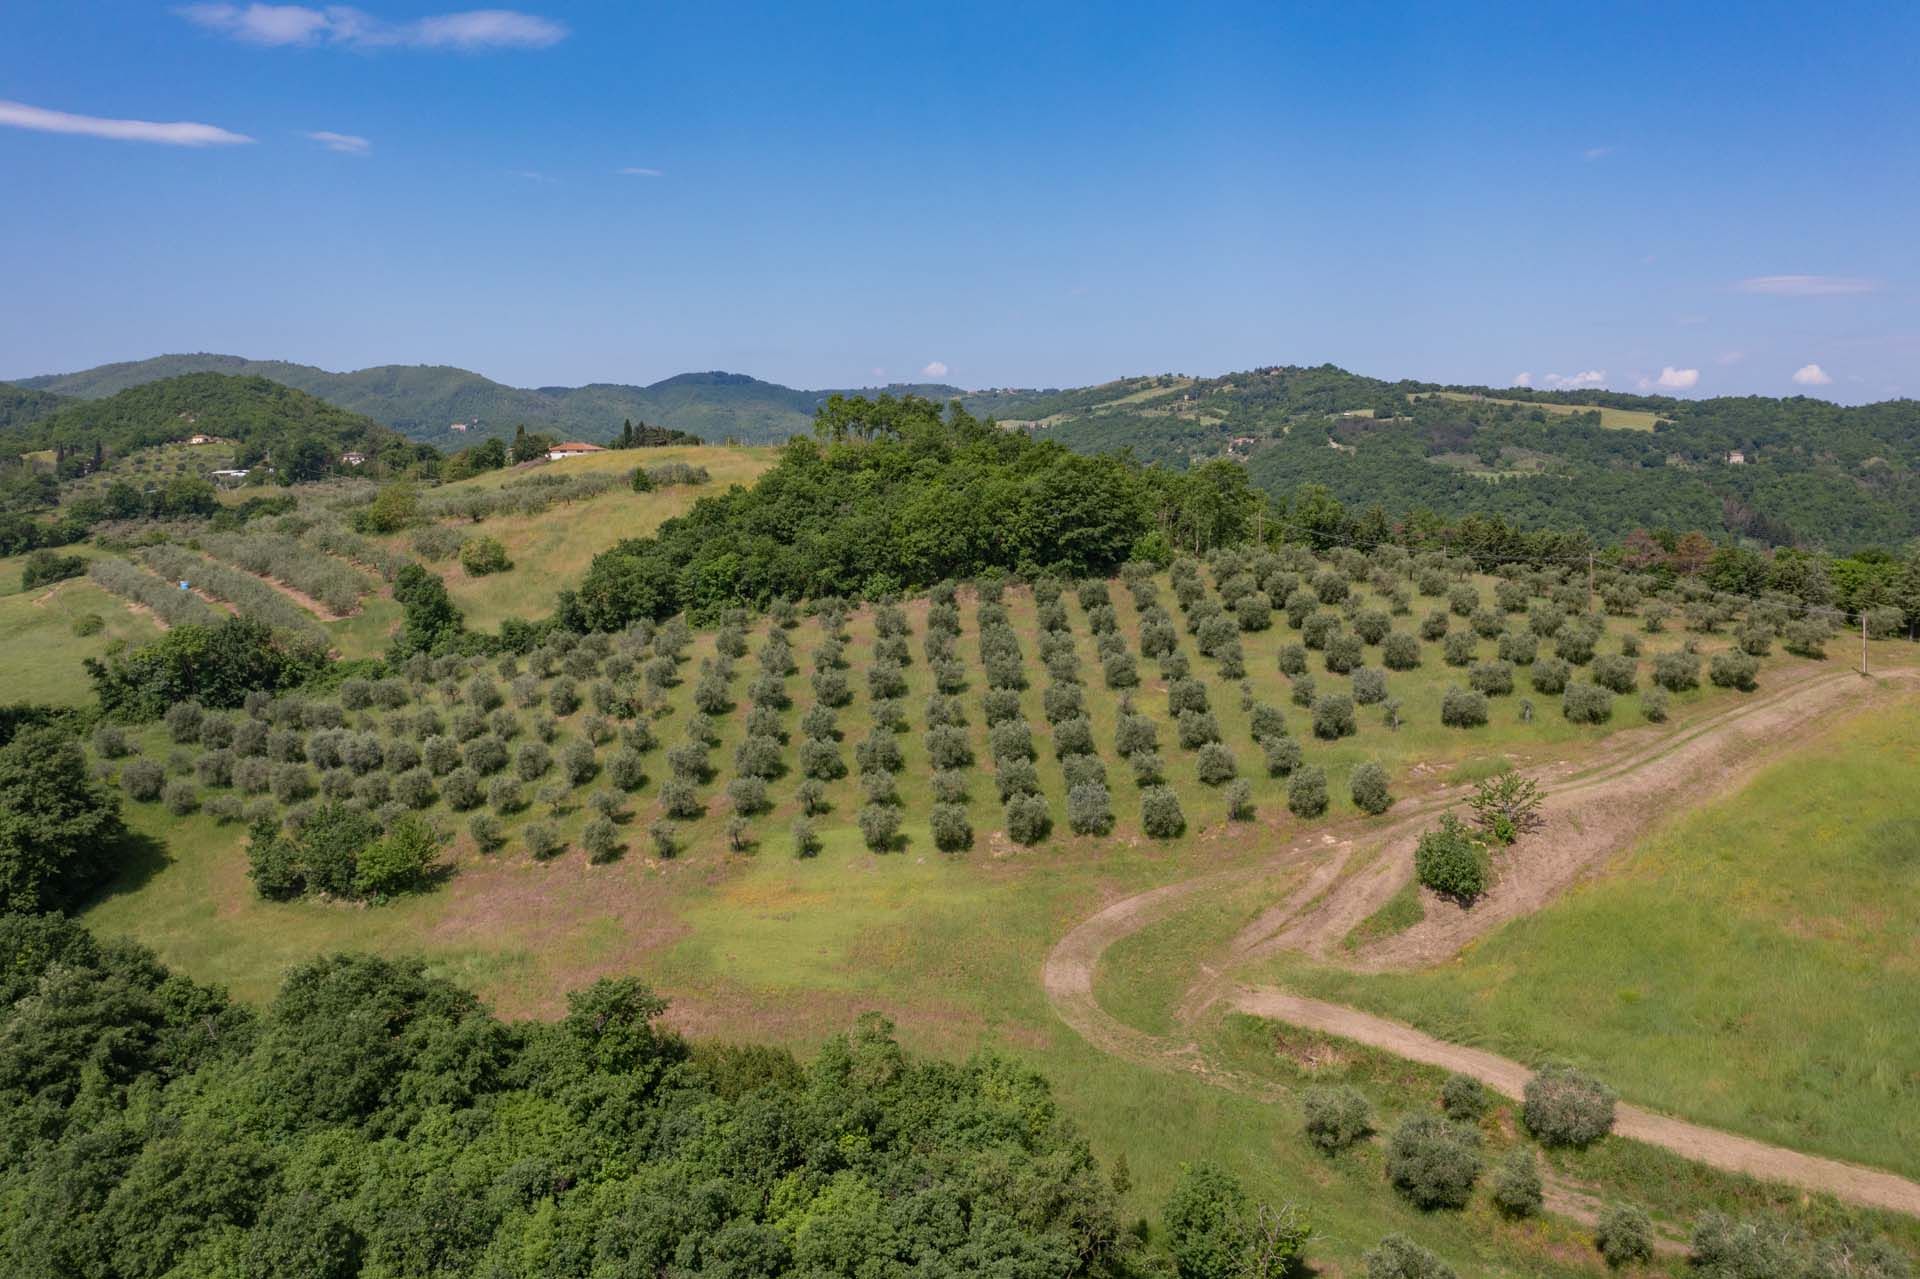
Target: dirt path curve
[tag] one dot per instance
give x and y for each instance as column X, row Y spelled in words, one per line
column 1596, row 810
column 1710, row 1146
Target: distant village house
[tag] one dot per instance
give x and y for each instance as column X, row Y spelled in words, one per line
column 1736, row 458
column 353, row 459
column 574, row 449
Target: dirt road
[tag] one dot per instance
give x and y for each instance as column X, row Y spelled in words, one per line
column 1595, row 811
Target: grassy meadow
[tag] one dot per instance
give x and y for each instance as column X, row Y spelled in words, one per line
column 1755, row 965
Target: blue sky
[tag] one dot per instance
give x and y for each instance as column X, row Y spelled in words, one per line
column 1720, row 197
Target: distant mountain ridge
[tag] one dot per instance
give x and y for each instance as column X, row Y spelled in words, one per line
column 424, row 401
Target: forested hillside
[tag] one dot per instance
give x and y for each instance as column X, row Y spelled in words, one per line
column 21, row 405
column 264, row 418
column 1783, row 471
column 424, row 401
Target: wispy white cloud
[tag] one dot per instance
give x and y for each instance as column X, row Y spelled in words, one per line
column 294, row 24
column 1677, row 379
column 1811, row 375
column 1598, row 153
column 1575, row 381
column 178, row 133
column 1730, row 357
column 637, row 172
column 934, row 368
column 1807, row 286
column 1523, row 379
column 344, row 143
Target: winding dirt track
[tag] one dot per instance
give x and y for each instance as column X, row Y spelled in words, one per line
column 1595, row 811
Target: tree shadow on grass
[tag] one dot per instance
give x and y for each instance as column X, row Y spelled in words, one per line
column 136, row 858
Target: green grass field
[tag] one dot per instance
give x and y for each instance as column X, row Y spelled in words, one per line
column 1755, row 966
column 552, row 549
column 39, row 651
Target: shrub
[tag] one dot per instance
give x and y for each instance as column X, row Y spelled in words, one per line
column 1147, row 767
column 1805, row 639
column 183, row 722
column 1016, row 777
column 1216, row 765
column 748, row 795
column 1517, row 1188
column 1282, row 755
column 952, row 832
column 1434, row 625
column 1519, row 647
column 1494, row 678
column 1136, row 733
column 1028, row 821
column 1369, row 686
column 1459, row 649
column 1089, row 809
column 820, row 760
column 1615, row 673
column 1432, row 1162
column 542, row 840
column 414, row 788
column 879, row 826
column 1293, row 659
column 1011, row 739
column 1550, row 675
column 1587, row 703
column 1463, row 708
column 1307, row 791
column 1564, row 1106
column 806, row 842
column 1336, row 1117
column 1733, row 670
column 1623, row 1235
column 1344, row 653
column 679, row 798
column 666, row 838
column 1574, row 644
column 1333, row 717
column 1400, row 652
column 1398, row 1257
column 181, row 798
column 1369, row 788
column 879, row 753
column 401, row 861
column 1073, row 737
column 1677, row 671
column 1240, row 807
column 1463, row 1098
column 601, row 839
column 1197, row 729
column 1654, row 704
column 532, row 761
column 291, row 783
column 1160, row 813
column 563, row 696
column 577, row 760
column 1450, row 862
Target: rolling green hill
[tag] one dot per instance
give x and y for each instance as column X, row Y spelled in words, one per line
column 258, row 414
column 1793, row 471
column 424, row 401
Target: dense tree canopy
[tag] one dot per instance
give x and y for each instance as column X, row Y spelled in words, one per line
column 375, row 1119
column 59, row 828
column 897, row 497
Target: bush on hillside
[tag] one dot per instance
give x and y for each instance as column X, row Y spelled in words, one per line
column 1369, row 788
column 1517, row 1188
column 1335, row 1117
column 1398, row 1257
column 1433, row 1162
column 1733, row 670
column 1160, row 813
column 1463, row 708
column 1565, row 1106
column 1586, row 703
column 1307, row 791
column 1623, row 1235
column 1450, row 862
